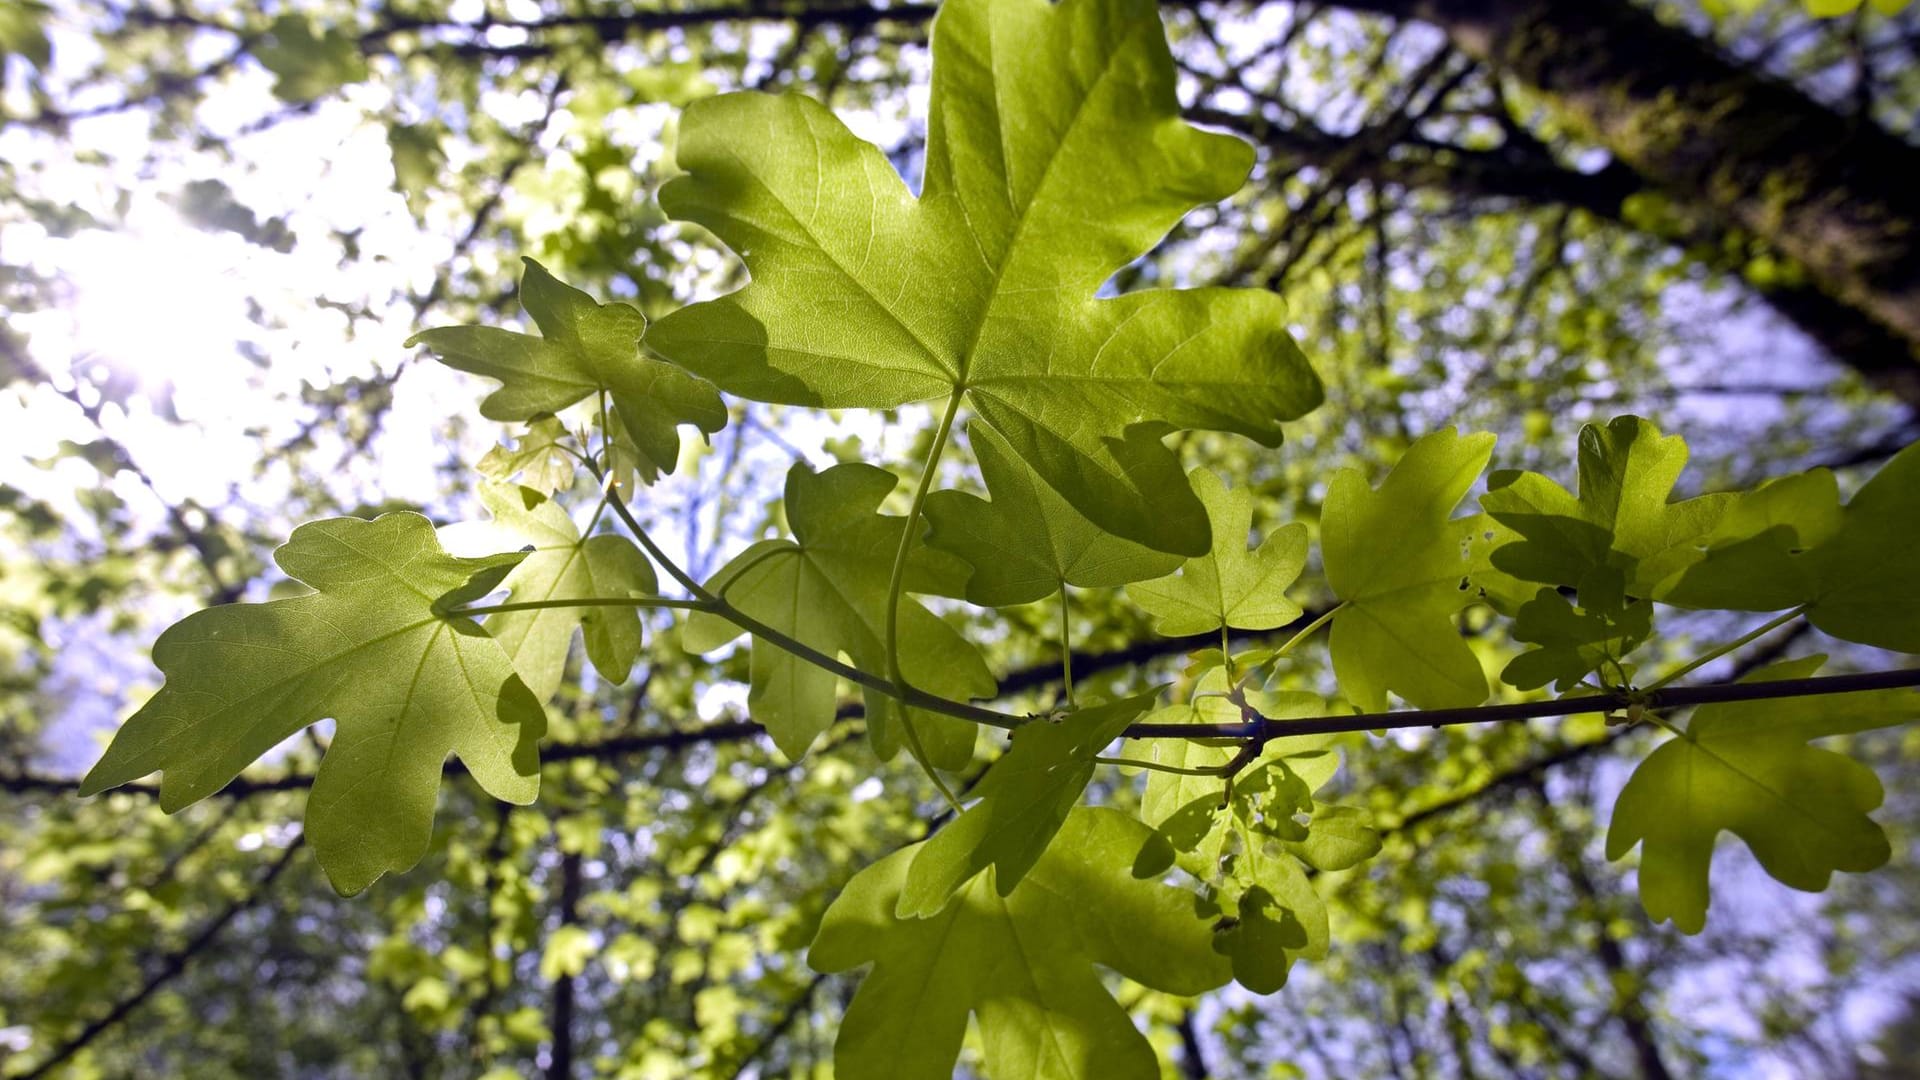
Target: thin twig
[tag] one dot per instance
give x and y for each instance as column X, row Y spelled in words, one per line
column 721, row 608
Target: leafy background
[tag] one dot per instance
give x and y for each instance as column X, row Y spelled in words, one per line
column 217, row 226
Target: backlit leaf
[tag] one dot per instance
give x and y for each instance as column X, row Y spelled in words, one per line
column 1230, row 585
column 1620, row 533
column 1746, row 768
column 564, row 565
column 1024, row 799
column 586, row 347
column 1028, row 541
column 1255, row 870
column 827, row 588
column 1260, row 940
column 1791, row 544
column 1055, row 156
column 1168, row 792
column 1398, row 560
column 368, row 648
column 538, row 461
column 1570, row 643
column 1022, row 964
column 1339, row 838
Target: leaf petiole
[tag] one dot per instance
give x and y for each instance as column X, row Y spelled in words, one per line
column 897, row 582
column 585, row 601
column 716, row 605
column 1066, row 642
column 1154, row 766
column 1740, row 642
column 1309, row 630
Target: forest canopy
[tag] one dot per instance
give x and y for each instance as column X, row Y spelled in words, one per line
column 1005, row 538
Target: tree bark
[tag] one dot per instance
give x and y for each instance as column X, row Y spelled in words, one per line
column 1837, row 194
column 1193, row 1057
column 1528, row 177
column 1629, row 1006
column 560, row 1017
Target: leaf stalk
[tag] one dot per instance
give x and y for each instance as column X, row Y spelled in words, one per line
column 1310, row 629
column 1737, row 643
column 587, row 601
column 896, row 583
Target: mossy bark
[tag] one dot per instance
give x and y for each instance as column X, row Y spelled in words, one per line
column 1836, row 194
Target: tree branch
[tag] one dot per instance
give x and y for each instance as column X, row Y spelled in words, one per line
column 1612, row 701
column 778, row 1029
column 170, row 969
column 1758, row 155
column 1534, row 770
column 1258, row 730
column 561, row 1009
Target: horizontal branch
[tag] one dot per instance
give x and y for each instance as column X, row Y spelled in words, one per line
column 1532, row 771
column 1260, row 730
column 1021, row 679
column 1613, row 701
column 240, row 787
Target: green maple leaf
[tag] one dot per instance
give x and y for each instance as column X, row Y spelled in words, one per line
column 1268, row 875
column 1572, row 643
column 827, row 588
column 1229, row 585
column 1167, row 793
column 1621, row 534
column 1261, row 939
column 1055, row 156
column 1182, row 808
column 1790, row 543
column 369, row 648
column 564, row 565
column 1029, row 543
column 1024, row 799
column 1023, row 964
column 307, row 63
column 1338, row 838
column 418, row 158
column 1808, row 503
column 23, row 32
column 1746, row 768
column 1278, row 916
column 1752, row 560
column 586, row 347
column 1399, row 561
column 540, row 461
column 1275, row 915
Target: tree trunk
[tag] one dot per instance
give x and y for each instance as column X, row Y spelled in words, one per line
column 560, row 1017
column 1836, row 194
column 1883, row 358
